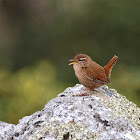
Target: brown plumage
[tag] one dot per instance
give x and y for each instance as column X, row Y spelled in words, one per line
column 89, row 73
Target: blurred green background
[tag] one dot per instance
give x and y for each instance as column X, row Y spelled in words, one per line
column 37, row 37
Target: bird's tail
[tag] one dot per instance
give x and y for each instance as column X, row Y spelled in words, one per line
column 110, row 65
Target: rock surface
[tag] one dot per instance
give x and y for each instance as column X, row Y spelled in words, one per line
column 103, row 115
column 6, row 130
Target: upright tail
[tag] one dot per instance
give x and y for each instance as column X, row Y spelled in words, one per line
column 110, row 65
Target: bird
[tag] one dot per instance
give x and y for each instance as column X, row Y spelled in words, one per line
column 91, row 74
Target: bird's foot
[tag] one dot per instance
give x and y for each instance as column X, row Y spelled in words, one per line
column 85, row 93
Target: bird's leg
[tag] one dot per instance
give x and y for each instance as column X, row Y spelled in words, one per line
column 84, row 93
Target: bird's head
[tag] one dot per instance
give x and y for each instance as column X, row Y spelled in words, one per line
column 81, row 60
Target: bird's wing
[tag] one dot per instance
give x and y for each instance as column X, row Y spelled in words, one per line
column 98, row 76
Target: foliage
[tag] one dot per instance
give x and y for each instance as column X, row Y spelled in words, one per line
column 27, row 90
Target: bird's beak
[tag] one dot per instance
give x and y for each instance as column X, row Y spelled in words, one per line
column 72, row 62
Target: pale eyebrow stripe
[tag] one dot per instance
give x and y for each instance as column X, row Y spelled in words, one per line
column 83, row 58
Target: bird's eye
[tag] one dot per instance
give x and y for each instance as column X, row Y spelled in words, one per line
column 80, row 60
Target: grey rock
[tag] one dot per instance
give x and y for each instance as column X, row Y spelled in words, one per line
column 102, row 115
column 6, row 131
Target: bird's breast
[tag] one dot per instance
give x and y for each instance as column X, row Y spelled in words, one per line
column 80, row 74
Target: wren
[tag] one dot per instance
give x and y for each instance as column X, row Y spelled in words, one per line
column 89, row 73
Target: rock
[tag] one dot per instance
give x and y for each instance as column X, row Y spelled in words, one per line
column 103, row 115
column 6, row 130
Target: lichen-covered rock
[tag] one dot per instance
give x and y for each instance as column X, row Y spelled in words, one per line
column 103, row 115
column 6, row 131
